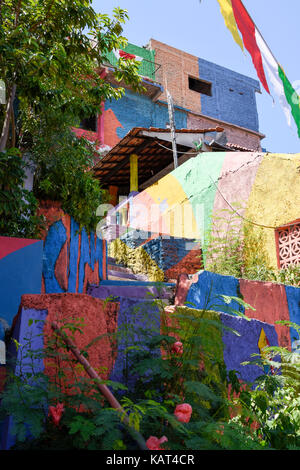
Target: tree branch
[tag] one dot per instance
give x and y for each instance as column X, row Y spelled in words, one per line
column 9, row 110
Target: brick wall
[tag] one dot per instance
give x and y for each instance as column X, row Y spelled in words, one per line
column 242, row 137
column 233, row 95
column 176, row 66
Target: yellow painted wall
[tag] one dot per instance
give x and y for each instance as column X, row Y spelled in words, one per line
column 275, row 197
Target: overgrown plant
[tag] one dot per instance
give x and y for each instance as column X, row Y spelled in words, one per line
column 272, row 407
column 178, row 396
column 224, row 252
column 234, row 247
column 52, row 55
column 62, row 172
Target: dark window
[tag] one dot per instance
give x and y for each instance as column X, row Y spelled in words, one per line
column 201, row 86
column 89, row 124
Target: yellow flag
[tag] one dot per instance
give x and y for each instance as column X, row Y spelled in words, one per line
column 227, row 12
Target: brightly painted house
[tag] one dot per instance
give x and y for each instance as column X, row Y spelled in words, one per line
column 204, row 95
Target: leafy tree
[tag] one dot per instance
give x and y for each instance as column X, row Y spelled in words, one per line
column 52, row 54
column 51, row 57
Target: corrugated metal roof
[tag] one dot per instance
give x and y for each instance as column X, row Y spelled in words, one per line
column 154, row 154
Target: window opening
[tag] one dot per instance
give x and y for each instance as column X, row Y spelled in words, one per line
column 201, row 86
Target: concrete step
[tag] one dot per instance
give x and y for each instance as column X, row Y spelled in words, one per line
column 118, row 272
column 132, row 289
column 121, row 274
column 129, row 275
column 117, row 267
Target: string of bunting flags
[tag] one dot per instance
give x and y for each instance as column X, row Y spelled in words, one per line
column 247, row 35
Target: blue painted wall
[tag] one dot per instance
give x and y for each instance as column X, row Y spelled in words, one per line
column 135, row 110
column 206, row 292
column 20, row 273
column 239, row 348
column 87, row 252
column 293, row 300
column 233, row 95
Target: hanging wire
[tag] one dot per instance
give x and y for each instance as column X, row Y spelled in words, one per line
column 238, row 214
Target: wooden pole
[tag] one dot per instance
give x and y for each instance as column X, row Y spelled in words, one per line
column 172, row 128
column 134, row 173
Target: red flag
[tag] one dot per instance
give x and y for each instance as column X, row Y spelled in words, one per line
column 247, row 29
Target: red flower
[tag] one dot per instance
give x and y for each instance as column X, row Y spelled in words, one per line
column 183, row 412
column 153, row 443
column 177, row 348
column 56, row 413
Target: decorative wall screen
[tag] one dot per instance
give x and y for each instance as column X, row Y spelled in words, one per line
column 288, row 239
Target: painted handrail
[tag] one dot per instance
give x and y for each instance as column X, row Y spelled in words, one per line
column 103, row 388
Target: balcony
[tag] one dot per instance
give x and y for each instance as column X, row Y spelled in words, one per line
column 147, row 70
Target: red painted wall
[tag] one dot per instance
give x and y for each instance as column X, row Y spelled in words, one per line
column 99, row 317
column 270, row 303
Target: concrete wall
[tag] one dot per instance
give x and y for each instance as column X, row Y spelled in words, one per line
column 72, row 258
column 183, row 203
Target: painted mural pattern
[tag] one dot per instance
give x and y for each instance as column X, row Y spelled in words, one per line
column 72, row 258
column 271, row 302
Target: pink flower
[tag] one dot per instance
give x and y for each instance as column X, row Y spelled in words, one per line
column 153, row 443
column 183, row 412
column 177, row 348
column 56, row 413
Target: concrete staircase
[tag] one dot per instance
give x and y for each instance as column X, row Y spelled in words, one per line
column 118, row 272
column 138, row 307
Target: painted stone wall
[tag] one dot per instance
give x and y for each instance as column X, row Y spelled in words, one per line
column 21, row 263
column 134, row 110
column 72, row 258
column 234, row 349
column 272, row 302
column 147, row 66
column 233, row 95
column 100, row 318
column 232, row 104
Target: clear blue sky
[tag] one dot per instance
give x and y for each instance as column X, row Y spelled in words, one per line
column 199, row 29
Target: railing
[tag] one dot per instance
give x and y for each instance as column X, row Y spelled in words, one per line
column 147, row 67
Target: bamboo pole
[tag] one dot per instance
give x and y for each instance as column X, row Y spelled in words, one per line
column 103, row 388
